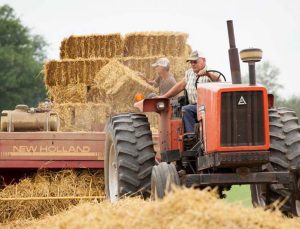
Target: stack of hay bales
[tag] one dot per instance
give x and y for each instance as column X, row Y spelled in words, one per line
column 97, row 75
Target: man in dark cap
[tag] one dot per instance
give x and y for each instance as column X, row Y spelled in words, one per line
column 198, row 71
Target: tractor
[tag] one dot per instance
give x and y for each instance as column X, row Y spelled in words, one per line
column 240, row 138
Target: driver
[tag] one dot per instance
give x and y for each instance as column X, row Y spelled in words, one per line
column 198, row 70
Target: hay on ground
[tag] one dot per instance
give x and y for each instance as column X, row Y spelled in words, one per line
column 64, row 72
column 64, row 183
column 92, row 46
column 155, row 43
column 185, row 208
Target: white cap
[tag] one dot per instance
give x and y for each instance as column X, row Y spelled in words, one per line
column 164, row 62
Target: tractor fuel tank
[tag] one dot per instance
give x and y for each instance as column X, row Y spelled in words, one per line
column 24, row 119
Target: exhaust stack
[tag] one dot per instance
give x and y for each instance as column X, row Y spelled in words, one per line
column 233, row 56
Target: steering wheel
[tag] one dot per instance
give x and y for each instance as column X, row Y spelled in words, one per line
column 215, row 71
column 220, row 74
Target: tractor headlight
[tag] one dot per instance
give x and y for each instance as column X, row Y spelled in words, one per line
column 160, row 106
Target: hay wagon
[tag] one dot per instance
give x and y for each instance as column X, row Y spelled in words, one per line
column 30, row 140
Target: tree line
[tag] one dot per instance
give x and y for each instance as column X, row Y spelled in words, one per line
column 21, row 59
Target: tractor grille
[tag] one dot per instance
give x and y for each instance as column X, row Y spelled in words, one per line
column 242, row 118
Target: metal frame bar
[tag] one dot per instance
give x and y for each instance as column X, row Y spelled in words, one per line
column 235, row 178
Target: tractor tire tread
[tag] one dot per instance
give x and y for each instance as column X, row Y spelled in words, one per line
column 131, row 135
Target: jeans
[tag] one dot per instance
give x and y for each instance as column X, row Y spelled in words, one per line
column 189, row 117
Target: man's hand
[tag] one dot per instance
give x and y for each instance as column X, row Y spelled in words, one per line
column 202, row 72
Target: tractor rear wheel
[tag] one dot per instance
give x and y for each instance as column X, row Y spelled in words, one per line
column 284, row 156
column 129, row 156
column 163, row 177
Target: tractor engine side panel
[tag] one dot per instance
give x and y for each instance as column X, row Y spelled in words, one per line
column 234, row 117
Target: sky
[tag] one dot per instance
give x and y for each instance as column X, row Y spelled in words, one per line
column 273, row 26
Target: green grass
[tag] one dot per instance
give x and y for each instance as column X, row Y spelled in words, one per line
column 239, row 194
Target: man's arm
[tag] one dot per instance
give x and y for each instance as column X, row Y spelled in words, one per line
column 176, row 89
column 151, row 82
column 213, row 76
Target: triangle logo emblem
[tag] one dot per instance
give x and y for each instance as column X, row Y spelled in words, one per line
column 242, row 101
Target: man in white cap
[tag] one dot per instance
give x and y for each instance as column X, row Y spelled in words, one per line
column 198, row 71
column 164, row 79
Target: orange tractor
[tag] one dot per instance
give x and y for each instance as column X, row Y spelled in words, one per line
column 240, row 138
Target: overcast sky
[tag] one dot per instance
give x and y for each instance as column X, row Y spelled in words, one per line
column 273, row 26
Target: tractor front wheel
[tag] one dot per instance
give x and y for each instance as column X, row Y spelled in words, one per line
column 129, row 156
column 163, row 177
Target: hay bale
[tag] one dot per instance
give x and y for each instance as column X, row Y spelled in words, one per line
column 178, row 65
column 66, row 113
column 95, row 95
column 82, row 116
column 155, row 43
column 93, row 116
column 48, row 184
column 74, row 93
column 184, row 208
column 120, row 84
column 64, row 72
column 188, row 50
column 153, row 120
column 92, row 46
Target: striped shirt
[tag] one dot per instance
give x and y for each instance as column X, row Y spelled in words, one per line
column 190, row 79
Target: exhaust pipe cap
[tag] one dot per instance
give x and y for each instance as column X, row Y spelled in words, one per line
column 251, row 55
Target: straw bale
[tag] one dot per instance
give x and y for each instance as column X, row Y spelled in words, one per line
column 75, row 93
column 64, row 72
column 184, row 208
column 50, row 70
column 155, row 43
column 96, row 95
column 120, row 84
column 82, row 116
column 188, row 50
column 93, row 116
column 178, row 65
column 66, row 113
column 49, row 184
column 92, row 46
column 153, row 120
